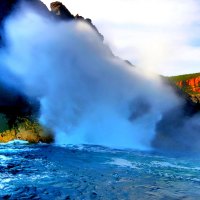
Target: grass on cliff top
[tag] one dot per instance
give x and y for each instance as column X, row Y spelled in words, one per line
column 183, row 77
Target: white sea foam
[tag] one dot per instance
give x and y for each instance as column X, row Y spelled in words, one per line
column 18, row 142
column 4, row 158
column 172, row 165
column 122, row 163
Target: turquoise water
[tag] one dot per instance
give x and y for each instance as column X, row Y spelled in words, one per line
column 95, row 172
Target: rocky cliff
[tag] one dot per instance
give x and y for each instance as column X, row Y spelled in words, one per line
column 190, row 84
column 178, row 129
column 60, row 12
column 193, row 84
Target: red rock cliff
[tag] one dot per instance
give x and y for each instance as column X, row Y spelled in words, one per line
column 192, row 84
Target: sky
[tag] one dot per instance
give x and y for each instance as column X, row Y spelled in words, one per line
column 162, row 36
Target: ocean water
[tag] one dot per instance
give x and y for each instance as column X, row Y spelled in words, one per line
column 42, row 171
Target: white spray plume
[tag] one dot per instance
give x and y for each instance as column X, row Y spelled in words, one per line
column 86, row 94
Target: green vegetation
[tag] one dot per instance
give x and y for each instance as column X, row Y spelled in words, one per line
column 192, row 88
column 27, row 124
column 183, row 77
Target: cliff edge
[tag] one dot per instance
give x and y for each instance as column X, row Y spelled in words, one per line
column 190, row 84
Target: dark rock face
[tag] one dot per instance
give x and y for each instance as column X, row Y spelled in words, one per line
column 62, row 13
column 178, row 130
column 6, row 8
column 57, row 8
column 14, row 104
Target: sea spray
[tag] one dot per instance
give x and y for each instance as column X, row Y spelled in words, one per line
column 87, row 95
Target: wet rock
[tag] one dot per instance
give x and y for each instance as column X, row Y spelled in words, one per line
column 9, row 166
column 68, row 198
column 30, row 156
column 93, row 195
column 28, row 131
column 7, row 136
column 6, row 197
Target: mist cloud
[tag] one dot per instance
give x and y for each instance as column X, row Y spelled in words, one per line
column 86, row 94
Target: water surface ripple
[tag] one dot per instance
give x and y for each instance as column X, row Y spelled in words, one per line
column 94, row 172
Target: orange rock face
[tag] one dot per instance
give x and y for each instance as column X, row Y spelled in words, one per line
column 192, row 84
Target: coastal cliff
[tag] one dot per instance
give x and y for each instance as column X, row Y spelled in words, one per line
column 178, row 130
column 190, row 84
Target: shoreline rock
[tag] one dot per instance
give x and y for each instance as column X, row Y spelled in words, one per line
column 27, row 131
